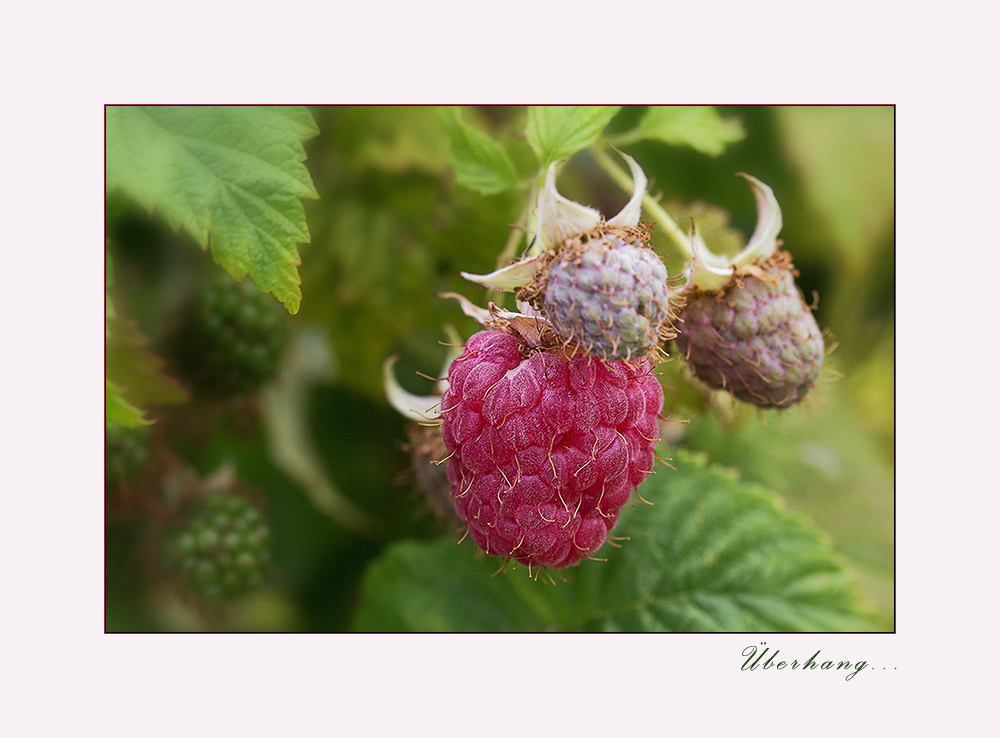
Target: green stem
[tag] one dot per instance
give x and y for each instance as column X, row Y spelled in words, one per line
column 524, row 224
column 626, row 138
column 531, row 215
column 680, row 239
column 509, row 252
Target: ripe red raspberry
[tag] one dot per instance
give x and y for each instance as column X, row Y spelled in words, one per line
column 545, row 451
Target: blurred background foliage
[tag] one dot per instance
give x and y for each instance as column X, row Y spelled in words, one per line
column 390, row 230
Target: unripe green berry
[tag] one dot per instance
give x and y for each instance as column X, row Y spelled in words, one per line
column 223, row 551
column 230, row 338
column 608, row 296
column 756, row 339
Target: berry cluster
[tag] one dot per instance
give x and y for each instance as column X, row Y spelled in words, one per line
column 224, row 549
column 550, row 417
column 230, row 338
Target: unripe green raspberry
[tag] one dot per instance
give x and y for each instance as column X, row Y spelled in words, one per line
column 608, row 296
column 230, row 339
column 757, row 338
column 224, row 549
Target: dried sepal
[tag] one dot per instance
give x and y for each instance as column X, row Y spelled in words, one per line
column 508, row 278
column 533, row 330
column 560, row 219
column 709, row 272
column 629, row 215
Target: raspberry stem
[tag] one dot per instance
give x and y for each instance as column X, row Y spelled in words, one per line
column 523, row 225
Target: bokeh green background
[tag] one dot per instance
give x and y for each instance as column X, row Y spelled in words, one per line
column 390, row 230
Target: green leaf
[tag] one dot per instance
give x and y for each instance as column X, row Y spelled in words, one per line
column 118, row 410
column 480, row 162
column 557, row 131
column 697, row 126
column 711, row 554
column 134, row 377
column 136, row 371
column 830, row 462
column 229, row 176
